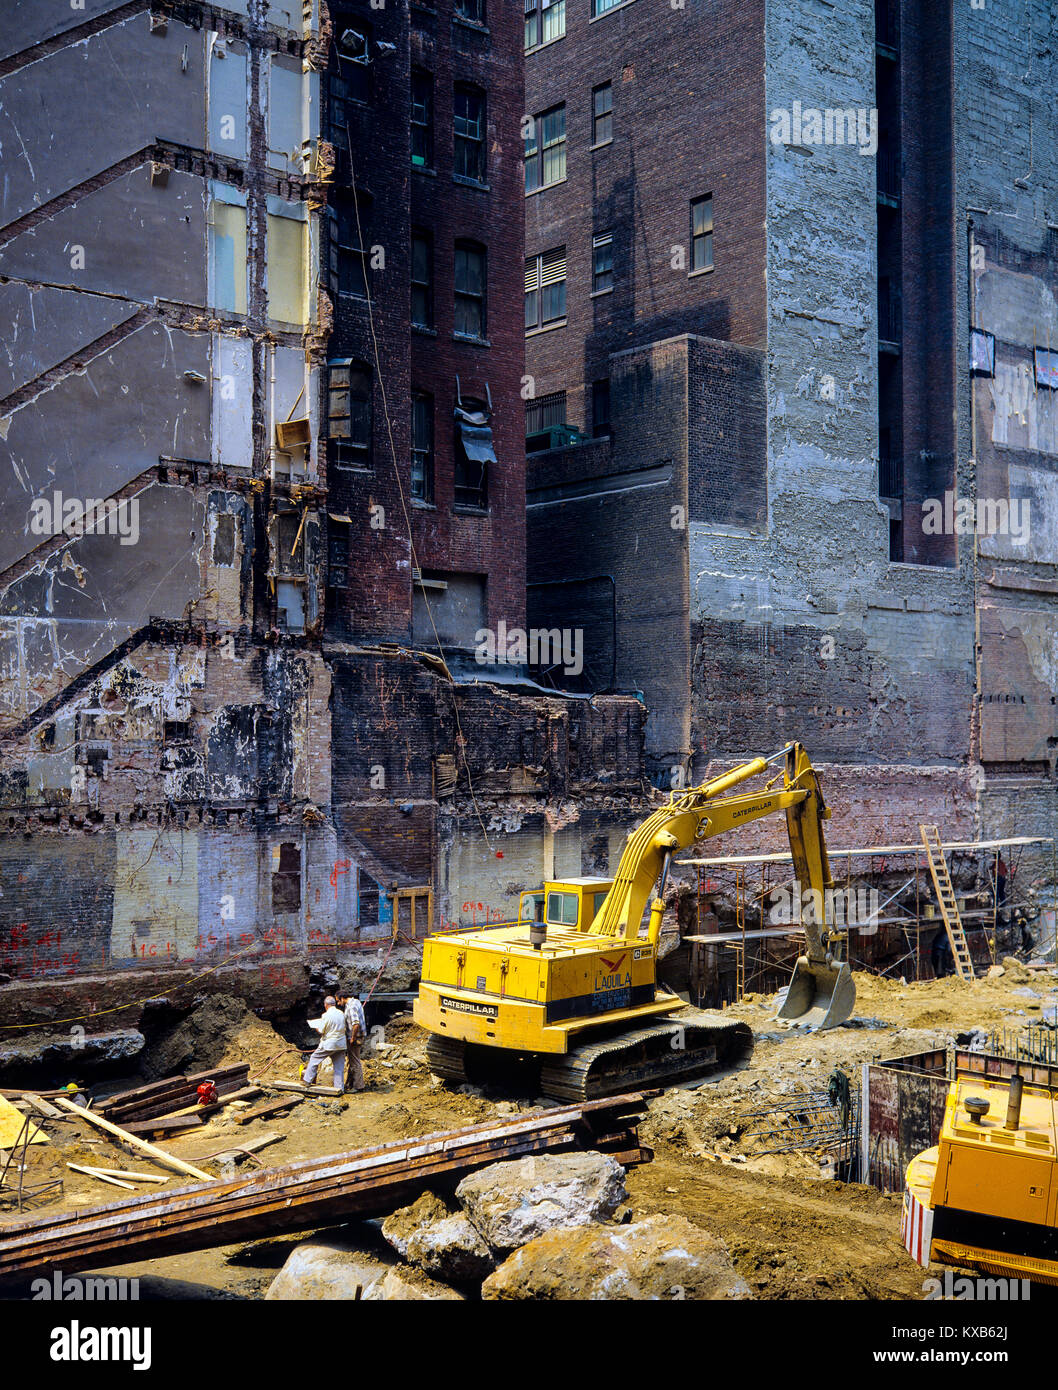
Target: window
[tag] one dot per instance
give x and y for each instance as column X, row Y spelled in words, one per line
column 474, row 10
column 545, row 149
column 545, row 412
column 470, row 289
column 601, row 6
column 422, row 279
column 337, row 554
column 562, row 909
column 290, row 555
column 286, row 880
column 422, row 120
column 544, row 20
column 422, row 446
column 545, row 288
column 600, row 409
column 601, row 114
column 349, row 413
column 468, row 120
column 352, row 80
column 602, row 263
column 349, row 217
column 702, row 233
column 474, row 453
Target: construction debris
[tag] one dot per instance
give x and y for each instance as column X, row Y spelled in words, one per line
column 304, row 1195
column 159, row 1155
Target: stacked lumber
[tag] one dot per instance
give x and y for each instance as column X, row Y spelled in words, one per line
column 310, row 1193
column 176, row 1093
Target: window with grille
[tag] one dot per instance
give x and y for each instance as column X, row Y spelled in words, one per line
column 468, row 121
column 337, row 555
column 702, row 233
column 602, row 263
column 545, row 149
column 602, row 114
column 422, row 120
column 422, row 279
column 422, row 446
column 544, row 20
column 469, row 285
column 545, row 412
column 349, row 413
column 545, row 288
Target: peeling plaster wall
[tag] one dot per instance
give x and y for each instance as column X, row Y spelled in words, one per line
column 808, row 631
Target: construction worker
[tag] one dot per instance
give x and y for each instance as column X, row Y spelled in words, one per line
column 355, row 1032
column 332, row 1044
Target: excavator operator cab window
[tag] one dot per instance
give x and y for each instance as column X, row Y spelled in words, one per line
column 562, row 909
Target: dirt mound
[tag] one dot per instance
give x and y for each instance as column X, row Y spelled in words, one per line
column 221, row 1031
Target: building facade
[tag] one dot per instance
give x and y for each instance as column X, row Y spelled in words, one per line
column 779, row 234
column 262, row 426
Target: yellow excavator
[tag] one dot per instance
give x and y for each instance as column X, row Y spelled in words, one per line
column 570, row 990
column 985, row 1197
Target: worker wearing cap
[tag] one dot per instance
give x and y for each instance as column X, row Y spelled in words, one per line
column 356, row 1032
column 332, row 1044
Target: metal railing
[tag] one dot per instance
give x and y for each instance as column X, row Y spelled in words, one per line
column 890, row 476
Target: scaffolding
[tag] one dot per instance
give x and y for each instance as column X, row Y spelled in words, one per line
column 762, row 957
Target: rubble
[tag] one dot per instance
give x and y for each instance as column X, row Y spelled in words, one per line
column 441, row 1243
column 660, row 1257
column 512, row 1203
column 326, row 1267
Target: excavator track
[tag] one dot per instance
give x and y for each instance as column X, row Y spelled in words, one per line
column 677, row 1047
column 673, row 1048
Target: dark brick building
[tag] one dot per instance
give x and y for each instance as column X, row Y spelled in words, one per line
column 422, row 109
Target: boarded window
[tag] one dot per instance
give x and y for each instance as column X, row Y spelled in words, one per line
column 224, row 539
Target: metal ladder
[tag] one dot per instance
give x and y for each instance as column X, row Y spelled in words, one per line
column 949, row 908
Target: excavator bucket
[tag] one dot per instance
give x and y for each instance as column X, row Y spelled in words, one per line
column 820, row 995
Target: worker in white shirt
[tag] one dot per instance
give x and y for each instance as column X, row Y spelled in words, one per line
column 332, row 1043
column 356, row 1032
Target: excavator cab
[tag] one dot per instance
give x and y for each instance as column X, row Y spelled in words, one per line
column 567, row 904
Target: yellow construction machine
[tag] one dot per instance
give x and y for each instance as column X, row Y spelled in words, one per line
column 985, row 1197
column 570, row 990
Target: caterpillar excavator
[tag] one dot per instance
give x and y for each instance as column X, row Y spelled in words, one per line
column 570, row 991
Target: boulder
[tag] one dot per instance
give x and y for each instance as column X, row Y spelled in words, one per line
column 402, row 1225
column 512, row 1203
column 660, row 1257
column 400, row 1285
column 451, row 1249
column 326, row 1268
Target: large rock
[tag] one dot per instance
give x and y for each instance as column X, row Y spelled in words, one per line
column 327, row 1268
column 402, row 1285
column 441, row 1243
column 660, row 1257
column 399, row 1228
column 512, row 1203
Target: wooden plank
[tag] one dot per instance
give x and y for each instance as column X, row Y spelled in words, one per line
column 166, row 1160
column 251, row 1146
column 244, row 1093
column 44, row 1107
column 99, row 1176
column 272, row 1108
column 169, row 1126
column 302, row 1089
column 135, row 1177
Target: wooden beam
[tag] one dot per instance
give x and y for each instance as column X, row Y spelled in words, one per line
column 159, row 1155
column 263, row 1111
column 302, row 1089
column 99, row 1176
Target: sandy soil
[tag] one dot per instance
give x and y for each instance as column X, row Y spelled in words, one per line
column 791, row 1235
